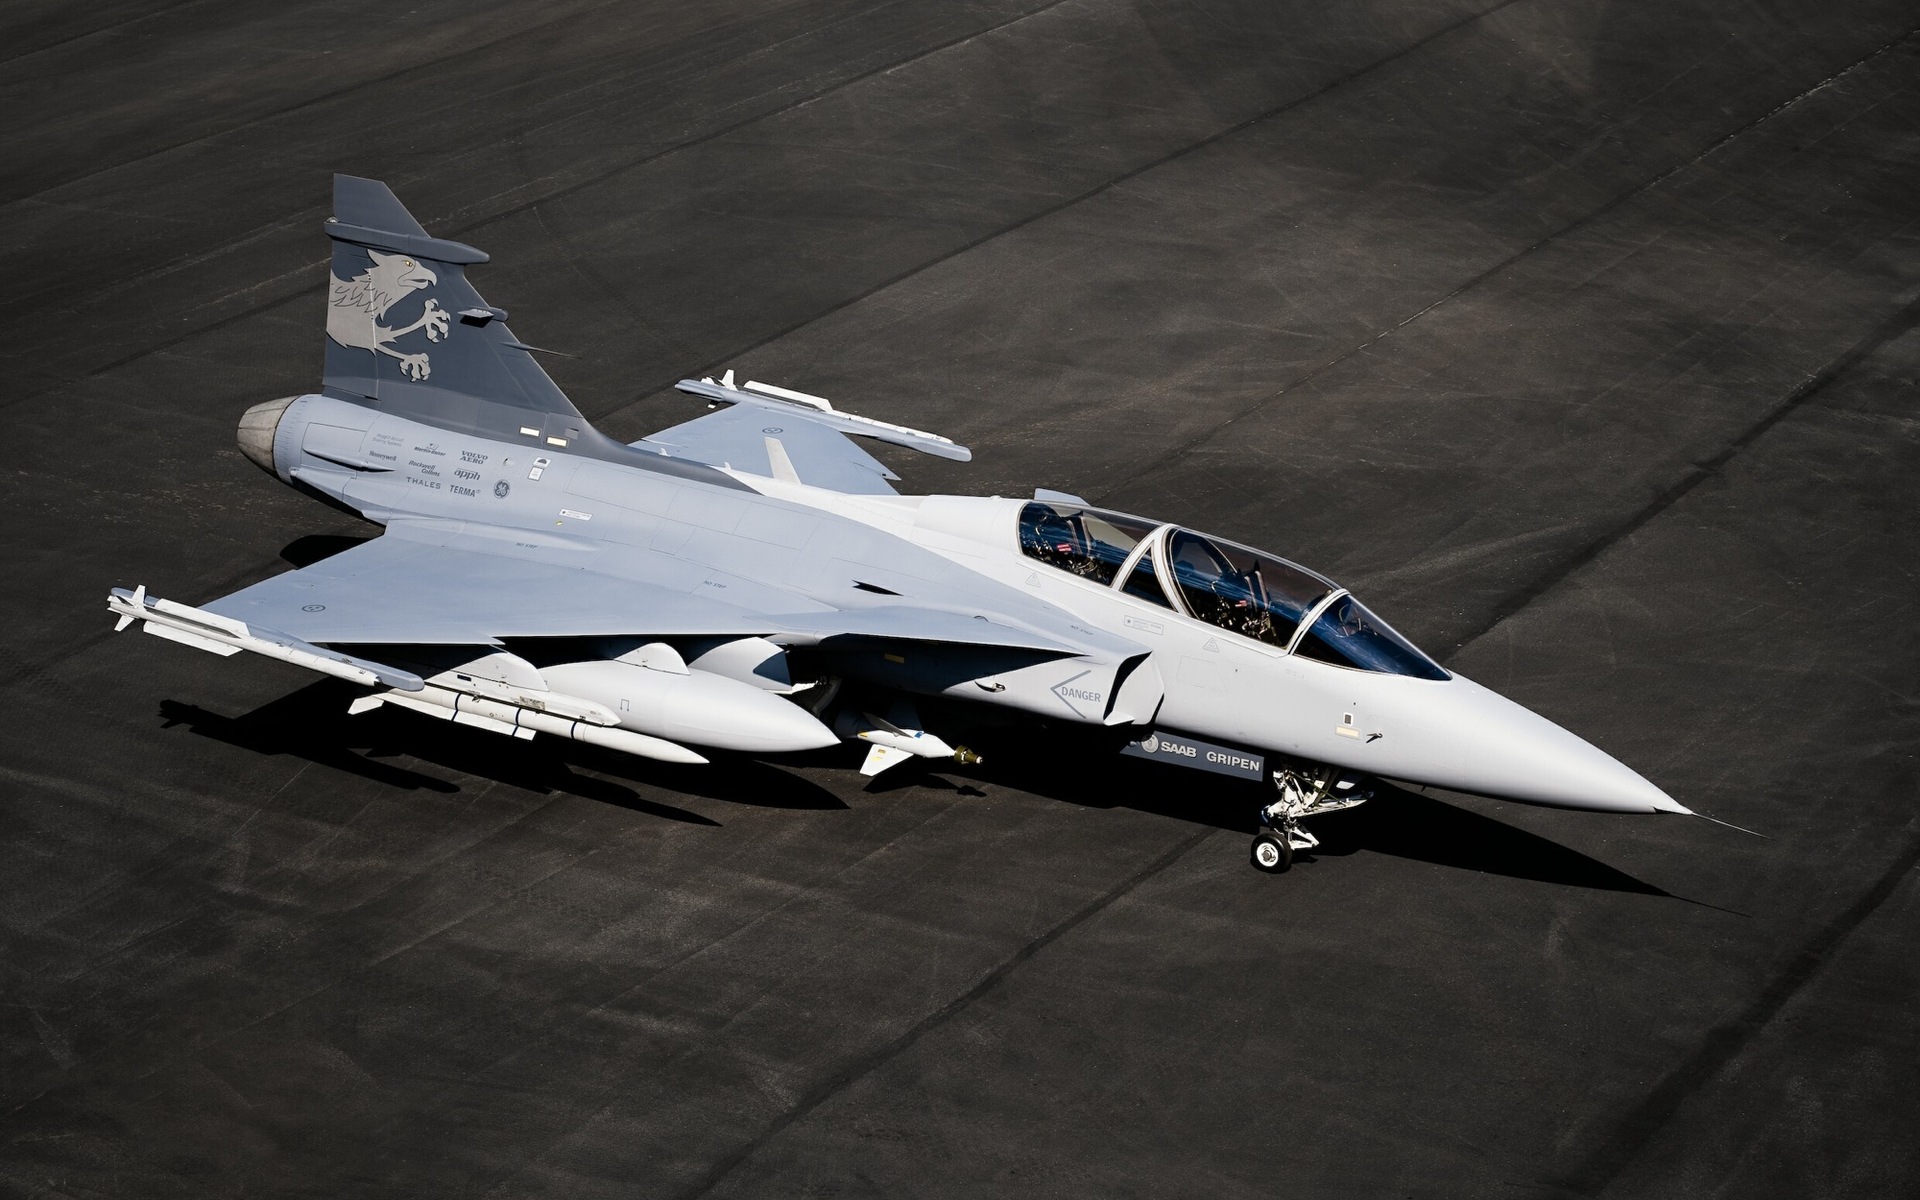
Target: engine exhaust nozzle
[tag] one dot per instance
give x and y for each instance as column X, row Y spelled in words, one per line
column 257, row 427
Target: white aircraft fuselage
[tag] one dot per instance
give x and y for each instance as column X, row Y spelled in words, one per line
column 1450, row 733
column 749, row 581
column 1158, row 666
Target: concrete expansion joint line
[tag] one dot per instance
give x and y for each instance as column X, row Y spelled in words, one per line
column 461, row 230
column 456, row 229
column 1080, row 198
column 778, row 111
column 1784, row 105
column 1906, row 318
column 803, row 893
column 104, row 30
column 20, row 668
column 1186, row 449
column 284, row 1005
column 347, row 89
column 1602, row 1165
column 865, row 1065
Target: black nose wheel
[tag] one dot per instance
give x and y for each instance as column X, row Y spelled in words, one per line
column 1305, row 791
column 1272, row 853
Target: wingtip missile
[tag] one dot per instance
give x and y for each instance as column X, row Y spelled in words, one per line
column 224, row 636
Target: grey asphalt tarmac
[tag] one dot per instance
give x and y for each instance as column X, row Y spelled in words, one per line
column 1577, row 336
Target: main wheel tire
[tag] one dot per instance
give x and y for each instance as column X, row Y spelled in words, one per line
column 1272, row 853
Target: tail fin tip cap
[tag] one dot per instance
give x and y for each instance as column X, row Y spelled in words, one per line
column 417, row 245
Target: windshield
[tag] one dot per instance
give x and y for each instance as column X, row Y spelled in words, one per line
column 1086, row 541
column 1243, row 591
column 1347, row 635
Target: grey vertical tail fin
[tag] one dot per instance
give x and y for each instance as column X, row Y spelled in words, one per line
column 406, row 332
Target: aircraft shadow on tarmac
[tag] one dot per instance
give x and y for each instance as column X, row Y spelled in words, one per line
column 313, row 724
column 314, row 547
column 1395, row 822
column 1411, row 825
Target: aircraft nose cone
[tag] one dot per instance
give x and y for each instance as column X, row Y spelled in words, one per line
column 257, row 427
column 1480, row 741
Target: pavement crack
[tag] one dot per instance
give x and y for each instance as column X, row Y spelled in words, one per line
column 865, row 1065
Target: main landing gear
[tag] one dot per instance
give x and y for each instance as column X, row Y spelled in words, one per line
column 1306, row 790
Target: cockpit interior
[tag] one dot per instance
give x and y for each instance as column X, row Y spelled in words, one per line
column 1240, row 590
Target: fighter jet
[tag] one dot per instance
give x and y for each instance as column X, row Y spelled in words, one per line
column 750, row 582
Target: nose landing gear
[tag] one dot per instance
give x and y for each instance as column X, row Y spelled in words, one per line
column 1306, row 790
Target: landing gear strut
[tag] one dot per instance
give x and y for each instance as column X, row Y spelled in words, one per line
column 1306, row 790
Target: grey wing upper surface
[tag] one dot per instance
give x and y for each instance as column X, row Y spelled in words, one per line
column 750, row 438
column 430, row 583
column 414, row 586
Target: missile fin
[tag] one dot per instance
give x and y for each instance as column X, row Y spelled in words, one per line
column 880, row 758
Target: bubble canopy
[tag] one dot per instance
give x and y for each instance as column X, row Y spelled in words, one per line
column 1239, row 589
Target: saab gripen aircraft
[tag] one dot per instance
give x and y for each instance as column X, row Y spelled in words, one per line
column 750, row 582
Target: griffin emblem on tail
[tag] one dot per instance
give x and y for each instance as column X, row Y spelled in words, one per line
column 353, row 318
